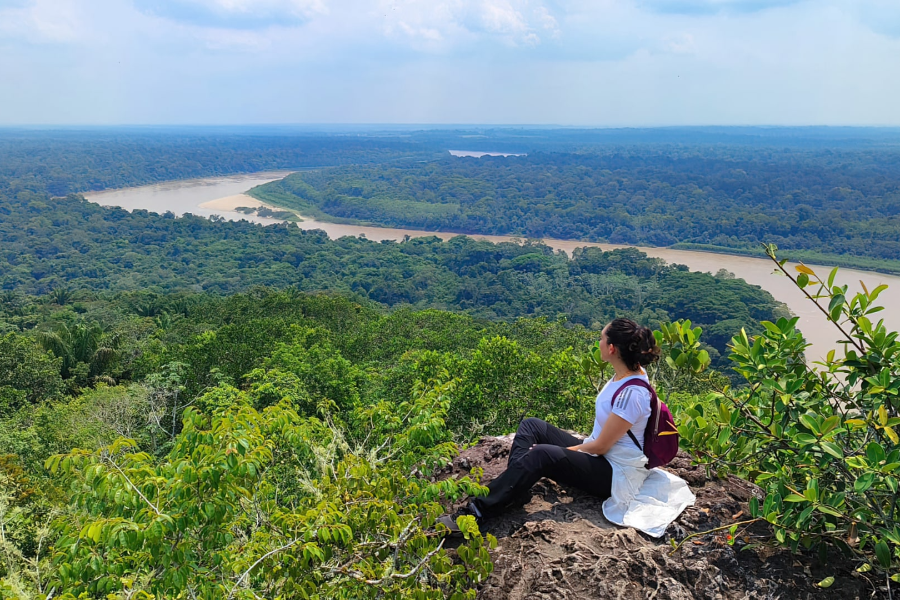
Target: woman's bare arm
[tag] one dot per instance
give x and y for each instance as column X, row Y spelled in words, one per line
column 613, row 430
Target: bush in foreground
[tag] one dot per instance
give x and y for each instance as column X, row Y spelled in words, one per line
column 265, row 503
column 821, row 442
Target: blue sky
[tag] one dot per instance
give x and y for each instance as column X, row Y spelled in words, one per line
column 566, row 62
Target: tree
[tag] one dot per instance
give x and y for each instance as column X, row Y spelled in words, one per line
column 209, row 520
column 27, row 374
column 84, row 351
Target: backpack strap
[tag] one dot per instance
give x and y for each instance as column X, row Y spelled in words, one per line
column 635, row 440
column 639, row 383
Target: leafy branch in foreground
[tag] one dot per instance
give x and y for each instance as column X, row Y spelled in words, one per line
column 268, row 504
column 819, row 439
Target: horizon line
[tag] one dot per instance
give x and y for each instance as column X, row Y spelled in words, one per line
column 398, row 125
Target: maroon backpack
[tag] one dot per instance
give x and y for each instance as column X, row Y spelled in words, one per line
column 661, row 437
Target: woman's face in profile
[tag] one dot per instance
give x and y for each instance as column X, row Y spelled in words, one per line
column 605, row 346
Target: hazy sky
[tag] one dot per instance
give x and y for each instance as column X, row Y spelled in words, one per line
column 570, row 62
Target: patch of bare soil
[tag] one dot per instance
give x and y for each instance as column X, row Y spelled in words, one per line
column 556, row 545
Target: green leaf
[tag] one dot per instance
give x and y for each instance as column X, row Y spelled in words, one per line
column 805, row 514
column 877, row 291
column 864, row 482
column 857, row 462
column 826, row 583
column 824, row 508
column 772, row 327
column 805, row 439
column 836, row 301
column 809, row 421
column 830, row 423
column 883, row 553
column 832, row 449
column 875, row 453
column 703, row 357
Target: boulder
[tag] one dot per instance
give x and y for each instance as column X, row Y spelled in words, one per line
column 555, row 544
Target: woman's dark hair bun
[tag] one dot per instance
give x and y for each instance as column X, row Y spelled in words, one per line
column 635, row 343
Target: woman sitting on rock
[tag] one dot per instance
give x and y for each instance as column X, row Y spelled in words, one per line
column 609, row 463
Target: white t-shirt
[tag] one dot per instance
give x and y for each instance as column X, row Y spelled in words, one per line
column 633, row 405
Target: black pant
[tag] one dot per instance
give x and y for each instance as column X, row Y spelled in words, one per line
column 548, row 458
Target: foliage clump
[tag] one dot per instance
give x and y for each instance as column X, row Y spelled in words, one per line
column 269, row 503
column 820, row 439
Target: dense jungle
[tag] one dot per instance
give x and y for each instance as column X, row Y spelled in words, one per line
column 200, row 408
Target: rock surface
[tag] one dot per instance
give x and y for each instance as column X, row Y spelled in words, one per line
column 556, row 545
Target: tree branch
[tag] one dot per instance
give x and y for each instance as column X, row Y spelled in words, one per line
column 261, row 558
column 134, row 487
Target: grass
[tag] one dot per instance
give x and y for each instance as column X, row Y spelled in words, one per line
column 282, row 199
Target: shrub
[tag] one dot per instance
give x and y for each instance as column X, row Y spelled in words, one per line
column 266, row 503
column 820, row 441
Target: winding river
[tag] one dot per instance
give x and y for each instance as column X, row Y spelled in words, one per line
column 222, row 195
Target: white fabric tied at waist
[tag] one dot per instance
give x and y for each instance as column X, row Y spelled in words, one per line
column 645, row 499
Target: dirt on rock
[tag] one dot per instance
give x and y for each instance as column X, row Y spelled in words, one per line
column 556, row 545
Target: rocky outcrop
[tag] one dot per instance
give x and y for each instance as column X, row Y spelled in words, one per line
column 556, row 545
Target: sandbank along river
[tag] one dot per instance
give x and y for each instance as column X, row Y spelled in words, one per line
column 222, row 195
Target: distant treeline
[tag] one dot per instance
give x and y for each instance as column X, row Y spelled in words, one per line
column 823, row 202
column 61, row 162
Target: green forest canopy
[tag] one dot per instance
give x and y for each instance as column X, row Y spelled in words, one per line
column 235, row 440
column 827, row 203
column 71, row 243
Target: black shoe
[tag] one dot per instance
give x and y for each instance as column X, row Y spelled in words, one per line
column 449, row 520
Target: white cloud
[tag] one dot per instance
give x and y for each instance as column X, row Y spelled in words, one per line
column 463, row 22
column 43, row 21
column 882, row 16
column 698, row 7
column 546, row 21
column 234, row 14
column 680, row 43
column 305, row 8
column 604, row 62
column 499, row 17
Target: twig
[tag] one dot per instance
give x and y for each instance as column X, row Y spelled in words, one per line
column 401, row 539
column 816, row 302
column 412, row 571
column 676, row 547
column 262, row 558
column 134, row 487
